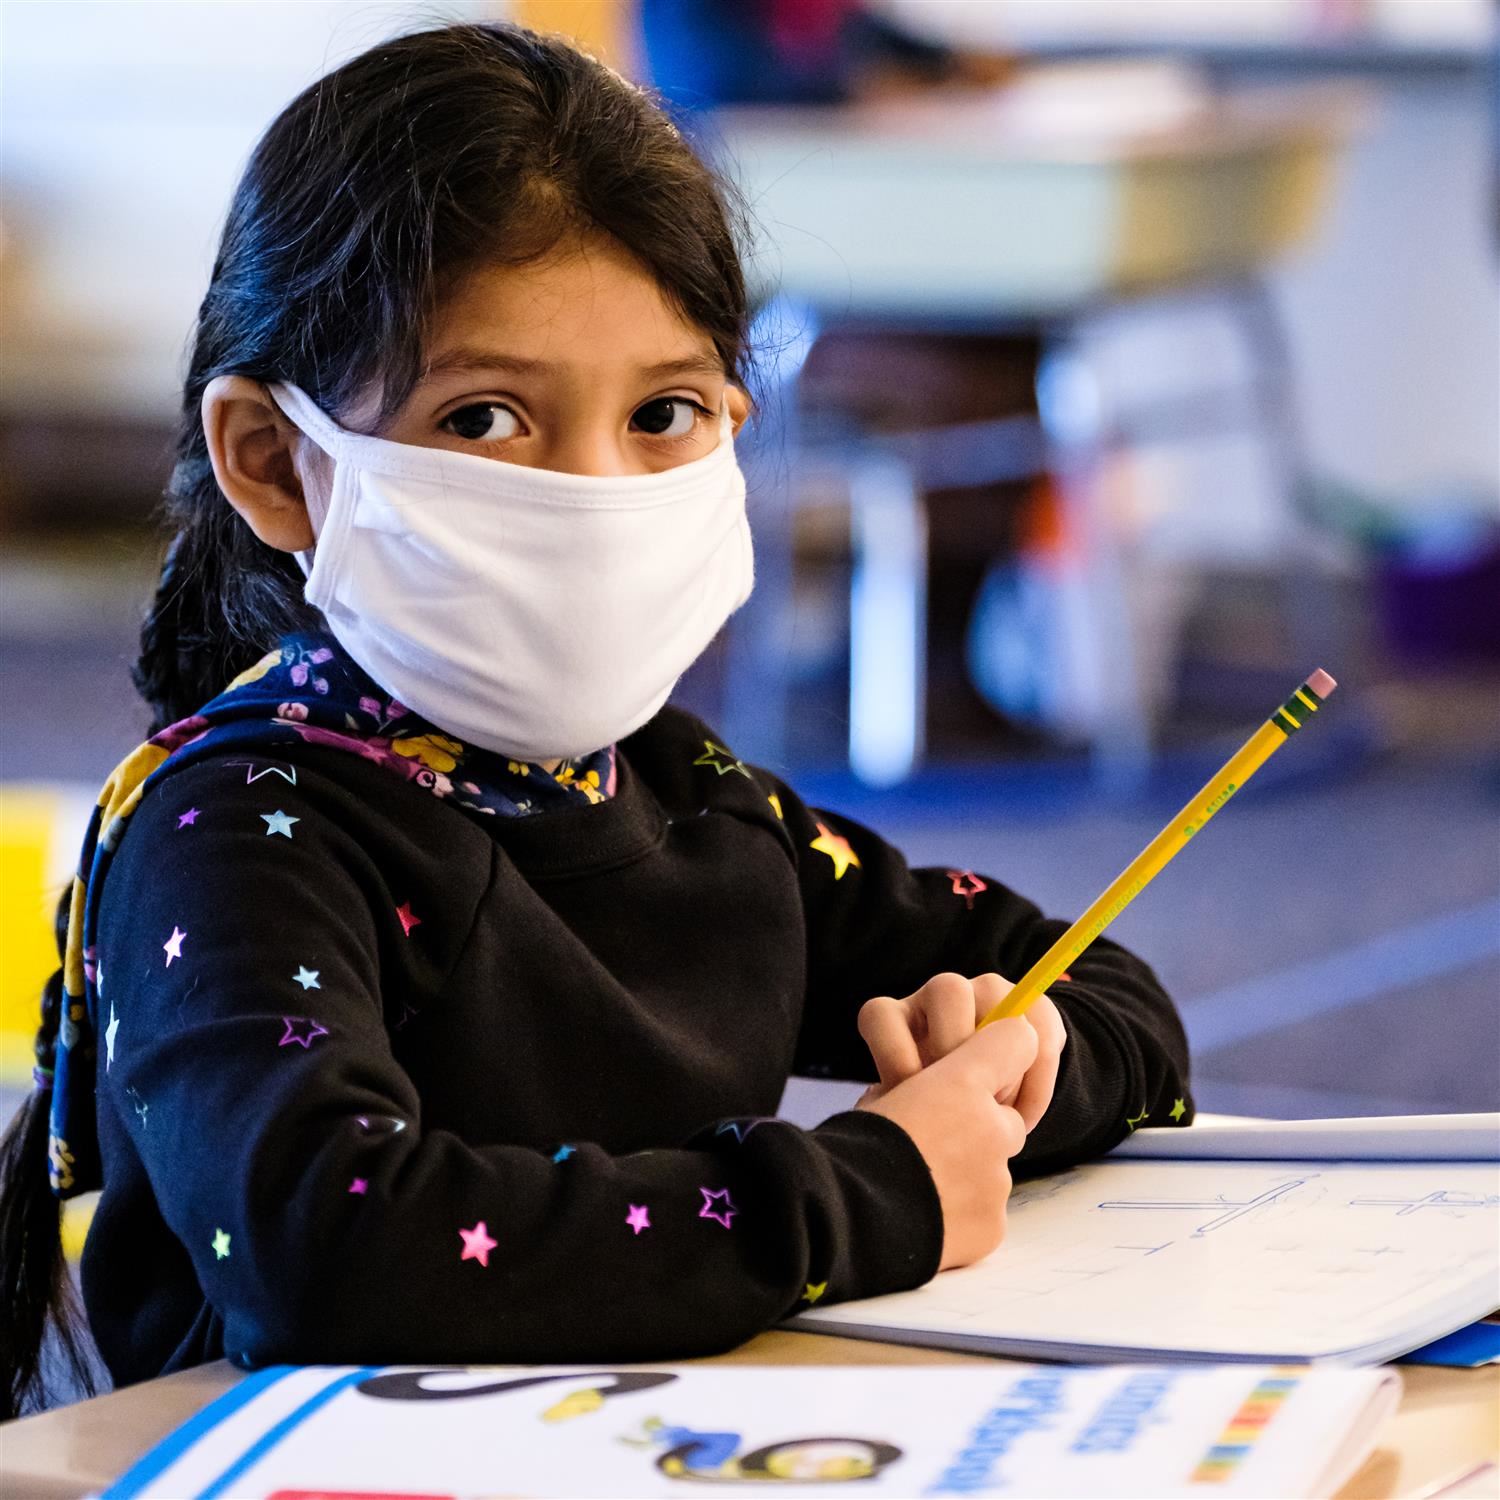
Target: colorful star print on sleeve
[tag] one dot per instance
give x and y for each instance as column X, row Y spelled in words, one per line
column 477, row 1244
column 301, row 1031
column 875, row 926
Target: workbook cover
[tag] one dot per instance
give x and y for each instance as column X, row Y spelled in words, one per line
column 422, row 1433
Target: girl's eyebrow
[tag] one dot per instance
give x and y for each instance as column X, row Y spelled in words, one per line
column 469, row 360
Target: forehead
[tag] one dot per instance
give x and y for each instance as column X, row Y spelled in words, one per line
column 589, row 304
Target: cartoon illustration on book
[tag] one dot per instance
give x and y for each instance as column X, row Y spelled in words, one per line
column 694, row 1454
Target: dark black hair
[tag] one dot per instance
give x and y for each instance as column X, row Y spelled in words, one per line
column 365, row 201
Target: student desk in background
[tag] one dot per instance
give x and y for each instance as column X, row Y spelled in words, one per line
column 1448, row 1424
column 1029, row 213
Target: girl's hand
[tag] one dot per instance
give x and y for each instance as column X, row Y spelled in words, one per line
column 905, row 1036
column 966, row 1137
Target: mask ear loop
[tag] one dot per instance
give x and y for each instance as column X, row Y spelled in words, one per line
column 313, row 422
column 304, row 413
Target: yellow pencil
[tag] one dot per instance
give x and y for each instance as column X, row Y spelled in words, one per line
column 1144, row 868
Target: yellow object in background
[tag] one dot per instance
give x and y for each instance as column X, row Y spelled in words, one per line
column 606, row 29
column 41, row 829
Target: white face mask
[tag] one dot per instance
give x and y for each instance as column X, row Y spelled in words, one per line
column 539, row 614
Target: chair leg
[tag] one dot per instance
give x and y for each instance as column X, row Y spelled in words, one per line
column 887, row 620
column 1115, row 709
column 1314, row 628
column 756, row 692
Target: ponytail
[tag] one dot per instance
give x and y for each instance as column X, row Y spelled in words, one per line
column 36, row 1289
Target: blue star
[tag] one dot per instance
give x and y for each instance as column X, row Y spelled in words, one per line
column 307, row 978
column 279, row 822
column 562, row 1153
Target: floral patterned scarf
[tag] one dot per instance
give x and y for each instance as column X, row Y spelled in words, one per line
column 307, row 691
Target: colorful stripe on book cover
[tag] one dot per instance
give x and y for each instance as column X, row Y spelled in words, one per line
column 1244, row 1429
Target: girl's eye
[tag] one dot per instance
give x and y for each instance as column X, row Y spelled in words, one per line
column 487, row 422
column 492, row 422
column 669, row 416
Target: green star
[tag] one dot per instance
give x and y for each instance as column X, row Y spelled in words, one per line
column 814, row 1291
column 712, row 754
column 221, row 1244
column 1178, row 1110
column 1140, row 1119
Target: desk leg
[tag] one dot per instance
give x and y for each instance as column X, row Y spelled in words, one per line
column 1314, row 629
column 887, row 620
column 753, row 715
column 1070, row 409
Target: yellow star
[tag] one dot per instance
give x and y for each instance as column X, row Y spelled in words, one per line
column 814, row 1291
column 711, row 756
column 1139, row 1119
column 1178, row 1110
column 837, row 849
column 221, row 1244
column 775, row 802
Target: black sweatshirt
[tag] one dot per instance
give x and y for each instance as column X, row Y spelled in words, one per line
column 380, row 1082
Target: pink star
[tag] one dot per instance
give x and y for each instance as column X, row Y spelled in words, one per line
column 358, row 1186
column 188, row 818
column 408, row 920
column 708, row 1211
column 968, row 885
column 638, row 1218
column 294, row 1032
column 477, row 1244
column 173, row 945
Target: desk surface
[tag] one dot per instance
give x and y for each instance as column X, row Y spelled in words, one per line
column 1449, row 1421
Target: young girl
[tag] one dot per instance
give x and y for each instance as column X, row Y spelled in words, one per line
column 427, row 984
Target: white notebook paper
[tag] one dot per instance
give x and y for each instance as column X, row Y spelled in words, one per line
column 1375, row 1138
column 1265, row 1260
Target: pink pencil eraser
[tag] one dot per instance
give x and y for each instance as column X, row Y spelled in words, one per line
column 1321, row 683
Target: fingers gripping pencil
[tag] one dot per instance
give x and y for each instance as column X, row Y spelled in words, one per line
column 1144, row 868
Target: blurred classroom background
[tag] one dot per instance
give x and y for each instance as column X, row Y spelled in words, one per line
column 1120, row 361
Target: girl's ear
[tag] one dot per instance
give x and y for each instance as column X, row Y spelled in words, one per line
column 739, row 406
column 262, row 462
